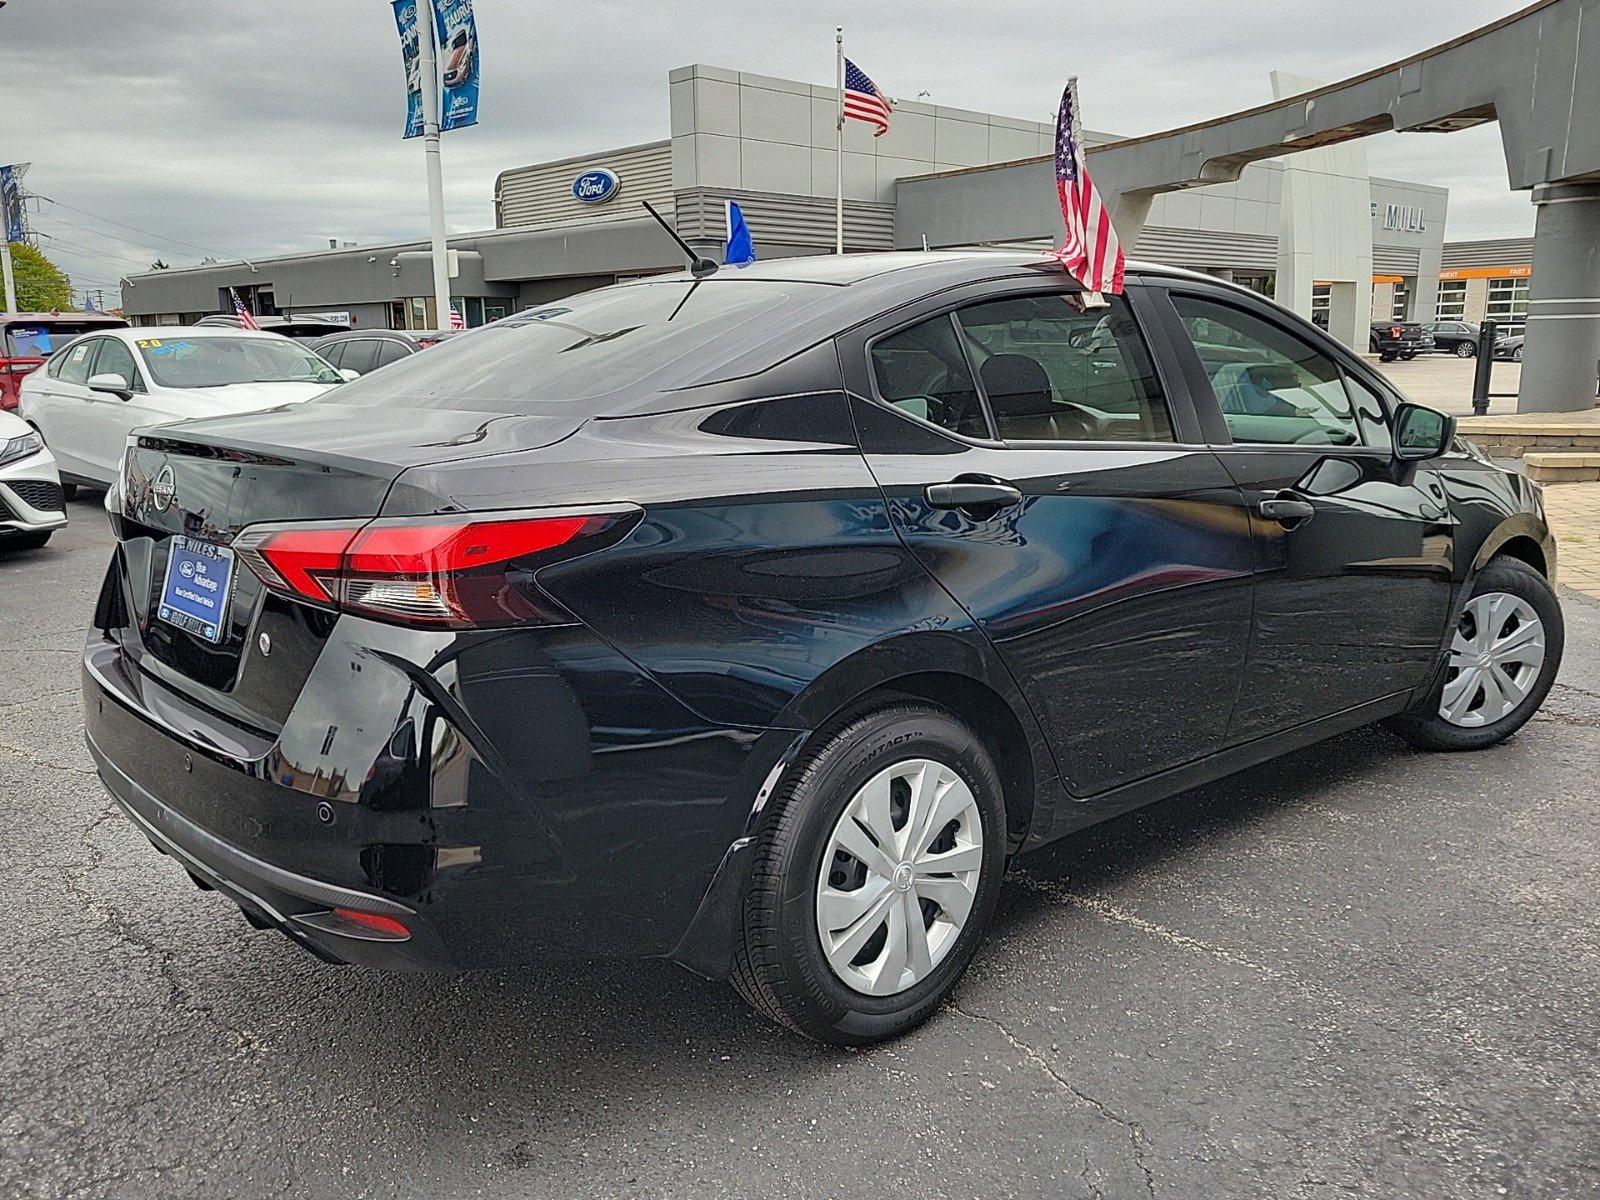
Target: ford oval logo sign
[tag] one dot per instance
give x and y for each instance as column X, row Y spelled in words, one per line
column 596, row 186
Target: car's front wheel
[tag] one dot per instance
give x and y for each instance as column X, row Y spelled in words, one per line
column 874, row 878
column 1503, row 659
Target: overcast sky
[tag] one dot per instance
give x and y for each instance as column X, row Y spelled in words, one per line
column 247, row 129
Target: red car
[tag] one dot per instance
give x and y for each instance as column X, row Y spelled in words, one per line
column 27, row 339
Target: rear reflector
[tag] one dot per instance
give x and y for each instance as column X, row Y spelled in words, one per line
column 374, row 921
column 466, row 571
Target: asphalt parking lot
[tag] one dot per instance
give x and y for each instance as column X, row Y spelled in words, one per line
column 1361, row 970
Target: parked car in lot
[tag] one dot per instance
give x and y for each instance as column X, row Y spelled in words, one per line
column 1399, row 339
column 363, row 350
column 32, row 506
column 1454, row 337
column 754, row 622
column 93, row 393
column 1509, row 348
column 301, row 329
column 27, row 339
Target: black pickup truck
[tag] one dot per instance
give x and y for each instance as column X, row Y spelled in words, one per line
column 1399, row 339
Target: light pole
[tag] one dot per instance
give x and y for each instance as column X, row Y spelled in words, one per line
column 428, row 60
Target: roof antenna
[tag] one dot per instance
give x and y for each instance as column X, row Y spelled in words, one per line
column 699, row 266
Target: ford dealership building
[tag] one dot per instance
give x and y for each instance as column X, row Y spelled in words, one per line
column 577, row 223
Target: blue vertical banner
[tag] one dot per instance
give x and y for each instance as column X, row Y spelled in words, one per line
column 11, row 203
column 740, row 247
column 405, row 19
column 458, row 62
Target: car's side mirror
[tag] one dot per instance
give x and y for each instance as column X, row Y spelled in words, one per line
column 1421, row 433
column 111, row 382
column 347, row 374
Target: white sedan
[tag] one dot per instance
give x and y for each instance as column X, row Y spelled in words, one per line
column 31, row 504
column 98, row 388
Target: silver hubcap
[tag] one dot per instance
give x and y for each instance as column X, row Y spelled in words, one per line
column 1494, row 660
column 899, row 876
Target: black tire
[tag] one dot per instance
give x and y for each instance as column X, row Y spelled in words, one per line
column 26, row 541
column 1465, row 350
column 1408, row 356
column 779, row 966
column 1425, row 728
column 1387, row 356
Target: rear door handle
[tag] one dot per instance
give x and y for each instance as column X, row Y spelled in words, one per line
column 1286, row 510
column 972, row 493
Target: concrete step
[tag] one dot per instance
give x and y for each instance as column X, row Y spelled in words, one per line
column 1514, row 437
column 1570, row 467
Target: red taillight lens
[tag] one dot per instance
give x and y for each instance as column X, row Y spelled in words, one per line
column 1396, row 332
column 458, row 572
column 376, row 922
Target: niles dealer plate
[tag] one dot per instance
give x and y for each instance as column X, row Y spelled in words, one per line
column 194, row 596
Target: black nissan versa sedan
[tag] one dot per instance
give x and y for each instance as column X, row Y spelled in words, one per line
column 755, row 621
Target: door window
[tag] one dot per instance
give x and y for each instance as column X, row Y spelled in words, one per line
column 334, row 354
column 391, row 351
column 359, row 356
column 75, row 366
column 117, row 359
column 1053, row 372
column 922, row 371
column 1273, row 387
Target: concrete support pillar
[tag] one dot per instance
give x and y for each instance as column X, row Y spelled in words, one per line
column 1563, row 334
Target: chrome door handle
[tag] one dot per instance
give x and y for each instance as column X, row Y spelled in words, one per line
column 1286, row 509
column 972, row 493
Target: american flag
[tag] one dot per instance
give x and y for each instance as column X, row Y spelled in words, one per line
column 246, row 320
column 1091, row 254
column 863, row 99
column 457, row 321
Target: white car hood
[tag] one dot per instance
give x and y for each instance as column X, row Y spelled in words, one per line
column 249, row 397
column 11, row 425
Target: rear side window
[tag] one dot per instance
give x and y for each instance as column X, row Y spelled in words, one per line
column 390, row 351
column 41, row 339
column 921, row 370
column 1052, row 371
column 1273, row 387
column 76, row 362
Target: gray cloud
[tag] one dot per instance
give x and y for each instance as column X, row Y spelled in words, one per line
column 254, row 129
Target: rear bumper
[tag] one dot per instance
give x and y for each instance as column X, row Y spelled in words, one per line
column 548, row 801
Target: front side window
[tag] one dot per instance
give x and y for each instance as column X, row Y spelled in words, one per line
column 1054, row 372
column 116, row 359
column 1272, row 387
column 76, row 361
column 922, row 371
column 206, row 362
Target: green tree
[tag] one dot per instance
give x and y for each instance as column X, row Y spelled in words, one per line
column 41, row 285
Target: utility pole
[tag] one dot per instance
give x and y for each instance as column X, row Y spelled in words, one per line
column 429, row 61
column 5, row 267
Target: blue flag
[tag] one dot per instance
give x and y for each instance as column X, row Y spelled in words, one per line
column 405, row 19
column 11, row 203
column 741, row 247
column 458, row 62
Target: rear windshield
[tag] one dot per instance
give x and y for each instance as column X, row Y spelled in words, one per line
column 44, row 338
column 201, row 362
column 578, row 349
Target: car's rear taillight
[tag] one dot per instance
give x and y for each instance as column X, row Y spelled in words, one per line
column 463, row 571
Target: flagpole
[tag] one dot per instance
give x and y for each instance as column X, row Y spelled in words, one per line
column 838, row 141
column 428, row 64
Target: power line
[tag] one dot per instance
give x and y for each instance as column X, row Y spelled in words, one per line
column 92, row 253
column 133, row 228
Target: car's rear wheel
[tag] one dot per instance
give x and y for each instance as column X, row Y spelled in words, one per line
column 1504, row 655
column 1465, row 350
column 1516, row 354
column 874, row 878
column 1387, row 356
column 1409, row 355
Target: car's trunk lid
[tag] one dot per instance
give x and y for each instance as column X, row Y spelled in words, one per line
column 207, row 480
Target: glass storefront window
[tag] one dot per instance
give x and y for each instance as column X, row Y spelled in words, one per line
column 1508, row 304
column 1453, row 300
column 1401, row 299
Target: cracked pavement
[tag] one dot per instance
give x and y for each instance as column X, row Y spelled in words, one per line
column 1361, row 970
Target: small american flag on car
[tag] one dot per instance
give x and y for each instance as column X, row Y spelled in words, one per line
column 1092, row 254
column 247, row 319
column 864, row 100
